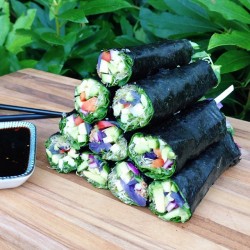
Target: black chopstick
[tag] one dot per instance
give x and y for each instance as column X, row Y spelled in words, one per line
column 20, row 117
column 31, row 110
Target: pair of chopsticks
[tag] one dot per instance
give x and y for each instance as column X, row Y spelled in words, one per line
column 32, row 113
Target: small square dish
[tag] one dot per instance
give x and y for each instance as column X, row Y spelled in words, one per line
column 17, row 153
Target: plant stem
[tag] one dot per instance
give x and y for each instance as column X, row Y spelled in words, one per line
column 57, row 26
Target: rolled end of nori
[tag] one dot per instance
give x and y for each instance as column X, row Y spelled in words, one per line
column 126, row 183
column 107, row 139
column 118, row 66
column 172, row 90
column 199, row 174
column 132, row 107
column 76, row 129
column 61, row 156
column 154, row 157
column 94, row 169
column 166, row 201
column 91, row 100
column 191, row 131
column 114, row 67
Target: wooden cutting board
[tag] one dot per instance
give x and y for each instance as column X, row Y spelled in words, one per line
column 61, row 211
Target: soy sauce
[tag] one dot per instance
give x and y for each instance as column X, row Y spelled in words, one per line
column 14, row 151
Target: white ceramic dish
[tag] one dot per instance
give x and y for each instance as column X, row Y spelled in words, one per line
column 17, row 180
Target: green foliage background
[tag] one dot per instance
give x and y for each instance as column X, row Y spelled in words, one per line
column 65, row 36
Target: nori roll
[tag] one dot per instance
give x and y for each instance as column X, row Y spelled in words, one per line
column 126, row 183
column 176, row 199
column 161, row 95
column 94, row 169
column 107, row 139
column 76, row 129
column 61, row 156
column 91, row 100
column 162, row 150
column 118, row 66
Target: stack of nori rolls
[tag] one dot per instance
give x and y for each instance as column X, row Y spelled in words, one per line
column 176, row 147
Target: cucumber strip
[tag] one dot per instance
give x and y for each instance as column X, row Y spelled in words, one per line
column 75, row 129
column 118, row 66
column 61, row 156
column 107, row 140
column 177, row 198
column 162, row 95
column 126, row 183
column 91, row 100
column 94, row 169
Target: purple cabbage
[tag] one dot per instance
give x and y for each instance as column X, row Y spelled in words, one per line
column 150, row 155
column 101, row 135
column 88, row 127
column 133, row 168
column 178, row 198
column 171, row 205
column 136, row 97
column 136, row 198
column 168, row 164
column 97, row 147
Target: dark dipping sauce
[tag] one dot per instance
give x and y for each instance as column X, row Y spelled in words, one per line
column 14, row 151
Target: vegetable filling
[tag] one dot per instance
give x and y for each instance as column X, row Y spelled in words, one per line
column 62, row 157
column 114, row 67
column 167, row 201
column 94, row 169
column 107, row 139
column 152, row 155
column 132, row 107
column 127, row 185
column 91, row 100
column 74, row 127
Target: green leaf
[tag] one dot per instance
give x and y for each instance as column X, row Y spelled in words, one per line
column 75, row 15
column 4, row 22
column 53, row 60
column 127, row 28
column 233, row 60
column 25, row 21
column 52, row 38
column 28, row 63
column 10, row 62
column 18, row 7
column 125, row 41
column 237, row 38
column 172, row 25
column 158, row 4
column 94, row 7
column 186, row 8
column 17, row 40
column 246, row 3
column 228, row 9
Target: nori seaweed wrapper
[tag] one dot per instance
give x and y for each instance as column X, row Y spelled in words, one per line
column 167, row 92
column 149, row 58
column 195, row 179
column 116, row 67
column 188, row 133
column 173, row 90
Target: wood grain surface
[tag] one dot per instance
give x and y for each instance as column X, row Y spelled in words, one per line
column 63, row 211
